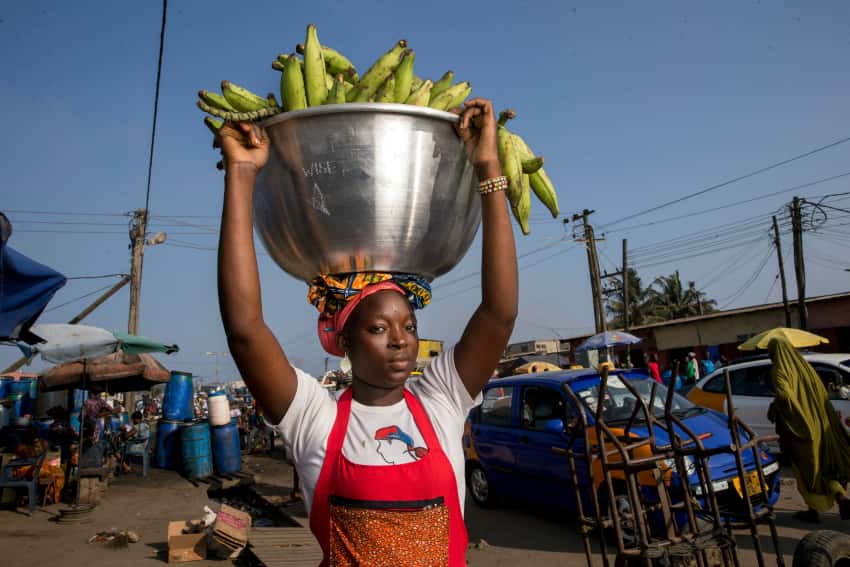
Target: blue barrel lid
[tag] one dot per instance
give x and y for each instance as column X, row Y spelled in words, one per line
column 218, row 393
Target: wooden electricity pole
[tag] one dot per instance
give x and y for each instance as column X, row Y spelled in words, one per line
column 137, row 240
column 589, row 238
column 776, row 241
column 625, row 286
column 799, row 262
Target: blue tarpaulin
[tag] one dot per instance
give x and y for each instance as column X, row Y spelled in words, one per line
column 26, row 287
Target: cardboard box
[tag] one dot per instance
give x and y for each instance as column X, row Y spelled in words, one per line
column 185, row 547
column 230, row 531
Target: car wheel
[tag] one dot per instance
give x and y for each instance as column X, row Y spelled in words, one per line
column 823, row 548
column 624, row 511
column 479, row 485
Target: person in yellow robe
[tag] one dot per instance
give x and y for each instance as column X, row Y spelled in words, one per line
column 810, row 432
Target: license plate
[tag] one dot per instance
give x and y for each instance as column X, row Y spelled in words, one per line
column 753, row 485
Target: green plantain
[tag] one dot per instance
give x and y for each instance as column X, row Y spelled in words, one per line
column 335, row 63
column 404, row 76
column 215, row 100
column 292, row 85
column 213, row 124
column 444, row 83
column 337, row 92
column 314, row 69
column 510, row 166
column 241, row 98
column 386, row 92
column 420, row 96
column 378, row 73
column 451, row 97
column 532, row 165
column 545, row 191
column 414, row 84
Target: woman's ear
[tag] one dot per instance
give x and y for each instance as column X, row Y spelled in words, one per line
column 343, row 342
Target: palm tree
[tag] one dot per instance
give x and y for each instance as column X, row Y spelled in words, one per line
column 637, row 298
column 668, row 299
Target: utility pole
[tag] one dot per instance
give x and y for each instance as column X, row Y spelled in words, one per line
column 589, row 239
column 799, row 262
column 137, row 242
column 625, row 286
column 776, row 241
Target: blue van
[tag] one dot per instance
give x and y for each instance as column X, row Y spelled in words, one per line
column 516, row 442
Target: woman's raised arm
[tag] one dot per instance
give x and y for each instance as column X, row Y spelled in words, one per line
column 488, row 331
column 254, row 348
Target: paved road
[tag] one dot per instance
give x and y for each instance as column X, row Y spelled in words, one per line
column 512, row 535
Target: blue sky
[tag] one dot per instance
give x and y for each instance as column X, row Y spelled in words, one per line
column 633, row 104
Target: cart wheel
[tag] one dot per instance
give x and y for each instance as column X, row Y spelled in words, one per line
column 823, row 548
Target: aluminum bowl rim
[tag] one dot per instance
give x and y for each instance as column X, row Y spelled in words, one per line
column 362, row 107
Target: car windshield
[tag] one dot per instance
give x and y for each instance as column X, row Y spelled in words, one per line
column 620, row 402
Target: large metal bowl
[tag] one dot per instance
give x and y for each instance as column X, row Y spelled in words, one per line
column 366, row 187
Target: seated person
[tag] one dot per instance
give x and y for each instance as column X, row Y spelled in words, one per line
column 135, row 439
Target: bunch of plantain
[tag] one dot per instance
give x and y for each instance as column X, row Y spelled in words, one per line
column 316, row 74
column 524, row 170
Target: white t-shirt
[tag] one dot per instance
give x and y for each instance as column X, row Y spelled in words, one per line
column 378, row 435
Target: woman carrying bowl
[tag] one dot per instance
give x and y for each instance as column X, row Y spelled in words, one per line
column 382, row 467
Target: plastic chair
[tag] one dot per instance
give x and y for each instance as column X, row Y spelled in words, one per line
column 7, row 480
column 144, row 453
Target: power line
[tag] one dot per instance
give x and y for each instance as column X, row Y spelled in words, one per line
column 66, row 213
column 89, row 294
column 728, row 182
column 687, row 216
column 734, row 297
column 96, row 277
column 156, row 101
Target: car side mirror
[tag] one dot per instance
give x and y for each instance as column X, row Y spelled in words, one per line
column 553, row 426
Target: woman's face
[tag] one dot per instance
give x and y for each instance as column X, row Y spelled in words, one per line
column 381, row 340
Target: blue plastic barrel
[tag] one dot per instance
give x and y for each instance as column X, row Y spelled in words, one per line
column 74, row 420
column 33, row 396
column 226, row 451
column 179, row 394
column 113, row 423
column 21, row 387
column 17, row 399
column 18, row 387
column 195, row 449
column 168, row 444
column 3, row 391
column 80, row 396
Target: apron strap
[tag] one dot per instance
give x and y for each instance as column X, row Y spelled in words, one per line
column 420, row 417
column 343, row 413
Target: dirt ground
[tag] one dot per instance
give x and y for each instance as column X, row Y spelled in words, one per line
column 510, row 535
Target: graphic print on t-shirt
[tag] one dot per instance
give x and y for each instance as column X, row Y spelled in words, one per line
column 396, row 447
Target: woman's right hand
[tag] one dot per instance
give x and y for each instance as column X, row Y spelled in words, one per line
column 243, row 142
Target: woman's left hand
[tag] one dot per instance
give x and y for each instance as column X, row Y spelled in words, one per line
column 477, row 128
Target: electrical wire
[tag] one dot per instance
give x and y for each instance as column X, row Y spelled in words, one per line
column 89, row 294
column 727, row 301
column 727, row 182
column 65, row 213
column 97, row 277
column 156, row 102
column 689, row 215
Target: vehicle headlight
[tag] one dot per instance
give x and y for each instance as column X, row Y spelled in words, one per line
column 717, row 485
column 690, row 466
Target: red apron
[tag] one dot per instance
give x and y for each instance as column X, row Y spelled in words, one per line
column 390, row 515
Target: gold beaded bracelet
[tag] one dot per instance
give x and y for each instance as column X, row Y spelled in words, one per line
column 492, row 185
